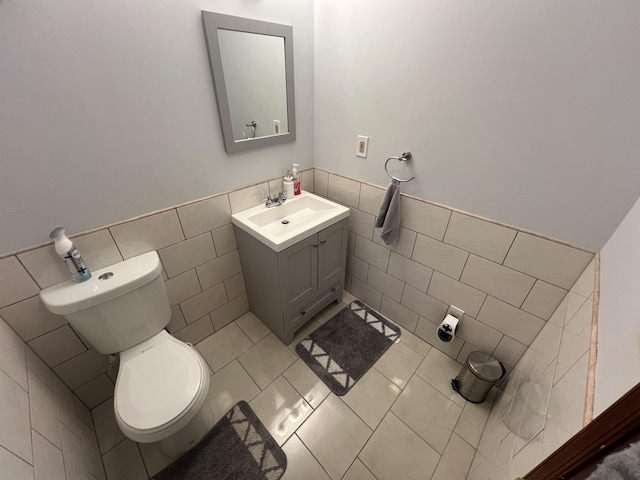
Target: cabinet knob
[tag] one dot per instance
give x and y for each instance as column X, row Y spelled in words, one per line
column 333, row 289
column 302, row 312
column 315, row 244
column 323, row 242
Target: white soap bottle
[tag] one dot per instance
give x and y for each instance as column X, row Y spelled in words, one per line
column 296, row 180
column 288, row 185
column 66, row 249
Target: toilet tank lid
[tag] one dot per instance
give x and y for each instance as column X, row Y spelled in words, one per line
column 104, row 285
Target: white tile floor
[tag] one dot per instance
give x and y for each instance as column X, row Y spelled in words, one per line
column 402, row 420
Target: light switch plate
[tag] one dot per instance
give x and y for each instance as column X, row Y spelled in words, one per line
column 362, row 145
column 276, row 127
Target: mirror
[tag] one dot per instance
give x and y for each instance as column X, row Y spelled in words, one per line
column 252, row 69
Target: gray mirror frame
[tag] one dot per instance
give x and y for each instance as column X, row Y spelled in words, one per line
column 211, row 22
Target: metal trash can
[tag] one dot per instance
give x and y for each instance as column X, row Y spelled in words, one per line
column 477, row 376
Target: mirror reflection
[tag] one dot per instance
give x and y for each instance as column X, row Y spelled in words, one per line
column 252, row 69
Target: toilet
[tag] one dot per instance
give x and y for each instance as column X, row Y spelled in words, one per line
column 162, row 385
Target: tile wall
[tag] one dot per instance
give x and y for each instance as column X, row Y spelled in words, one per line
column 544, row 401
column 508, row 282
column 46, row 433
column 202, row 272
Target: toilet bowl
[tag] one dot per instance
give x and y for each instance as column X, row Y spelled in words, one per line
column 161, row 388
column 162, row 384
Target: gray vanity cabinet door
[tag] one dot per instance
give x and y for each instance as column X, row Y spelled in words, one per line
column 332, row 252
column 298, row 266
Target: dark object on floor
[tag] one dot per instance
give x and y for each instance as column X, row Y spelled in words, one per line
column 343, row 349
column 238, row 447
column 624, row 465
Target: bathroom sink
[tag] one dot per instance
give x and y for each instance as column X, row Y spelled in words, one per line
column 297, row 218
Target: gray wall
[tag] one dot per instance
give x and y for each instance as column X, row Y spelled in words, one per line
column 522, row 112
column 108, row 111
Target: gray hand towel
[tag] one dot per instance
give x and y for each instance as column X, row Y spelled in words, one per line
column 389, row 214
column 624, row 465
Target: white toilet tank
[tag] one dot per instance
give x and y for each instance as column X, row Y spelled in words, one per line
column 119, row 307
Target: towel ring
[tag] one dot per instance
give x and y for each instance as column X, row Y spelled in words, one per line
column 406, row 156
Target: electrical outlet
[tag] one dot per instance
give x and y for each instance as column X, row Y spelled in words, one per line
column 362, row 145
column 276, row 127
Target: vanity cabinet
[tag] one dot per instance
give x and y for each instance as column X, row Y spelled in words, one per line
column 285, row 289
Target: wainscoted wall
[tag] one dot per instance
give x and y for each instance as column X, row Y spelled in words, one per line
column 46, row 432
column 202, row 271
column 507, row 281
column 544, row 401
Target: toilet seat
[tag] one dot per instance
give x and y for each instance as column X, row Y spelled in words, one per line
column 162, row 382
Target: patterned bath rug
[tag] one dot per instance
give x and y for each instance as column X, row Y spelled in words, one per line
column 343, row 349
column 238, row 447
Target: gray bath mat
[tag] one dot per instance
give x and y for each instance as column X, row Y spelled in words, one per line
column 238, row 447
column 343, row 349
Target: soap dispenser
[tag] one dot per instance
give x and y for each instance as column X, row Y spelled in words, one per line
column 66, row 249
column 288, row 185
column 296, row 179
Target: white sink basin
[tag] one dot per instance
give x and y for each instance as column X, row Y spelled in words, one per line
column 297, row 218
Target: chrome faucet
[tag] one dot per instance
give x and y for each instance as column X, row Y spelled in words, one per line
column 276, row 200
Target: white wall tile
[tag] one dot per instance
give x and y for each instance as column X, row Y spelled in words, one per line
column 361, row 223
column 200, row 305
column 552, row 262
column 42, row 408
column 107, row 430
column 13, row 358
column 385, row 283
column 45, row 266
column 439, row 256
column 15, row 434
column 30, row 318
column 206, row 215
column 344, row 190
column 481, row 237
column 543, row 299
column 424, row 218
column 374, row 254
column 82, row 368
column 37, row 366
column 307, row 180
column 149, row 233
column 509, row 351
column 182, row 287
column 356, row 267
column 185, row 255
column 177, row 320
column 399, row 313
column 425, row 305
column 321, row 182
column 219, row 269
column 455, row 293
column 98, row 249
column 585, row 283
column 511, row 321
column 370, row 198
column 125, row 462
column 404, row 245
column 229, row 312
column 494, row 279
column 235, row 286
column 409, row 271
column 481, row 336
column 15, row 282
column 248, row 197
column 196, row 331
column 57, row 346
column 95, row 391
column 366, row 293
column 224, row 239
column 47, row 460
column 14, row 467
